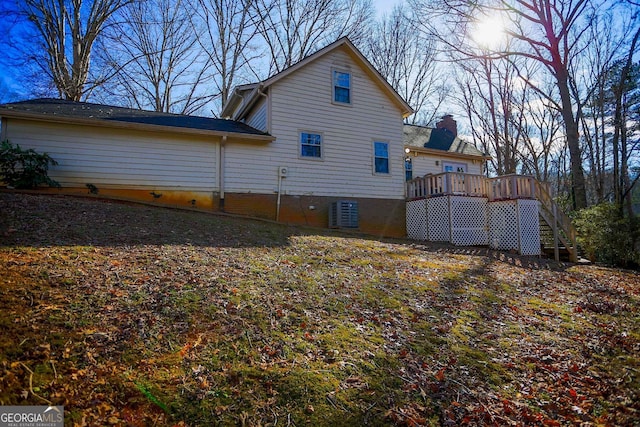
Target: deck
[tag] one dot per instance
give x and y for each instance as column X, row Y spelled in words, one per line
column 509, row 212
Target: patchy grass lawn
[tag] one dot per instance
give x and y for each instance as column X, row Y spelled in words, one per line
column 133, row 315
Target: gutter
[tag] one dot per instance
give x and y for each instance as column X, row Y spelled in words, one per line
column 231, row 101
column 250, row 100
column 422, row 150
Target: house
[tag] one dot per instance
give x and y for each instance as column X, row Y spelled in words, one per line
column 127, row 153
column 439, row 149
column 320, row 143
column 338, row 128
column 328, row 129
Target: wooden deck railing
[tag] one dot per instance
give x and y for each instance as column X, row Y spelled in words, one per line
column 506, row 187
column 447, row 183
column 451, row 183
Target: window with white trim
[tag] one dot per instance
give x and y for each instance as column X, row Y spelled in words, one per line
column 311, row 145
column 341, row 87
column 454, row 167
column 408, row 169
column 381, row 157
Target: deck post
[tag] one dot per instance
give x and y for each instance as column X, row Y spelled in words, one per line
column 514, row 187
column 532, row 184
column 556, row 247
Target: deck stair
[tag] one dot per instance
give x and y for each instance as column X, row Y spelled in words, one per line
column 557, row 234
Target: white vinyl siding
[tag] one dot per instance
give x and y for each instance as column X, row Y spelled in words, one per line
column 424, row 164
column 120, row 158
column 258, row 117
column 303, row 100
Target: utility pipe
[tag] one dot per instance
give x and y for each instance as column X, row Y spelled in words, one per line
column 221, row 147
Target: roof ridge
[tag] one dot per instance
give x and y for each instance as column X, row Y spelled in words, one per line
column 61, row 101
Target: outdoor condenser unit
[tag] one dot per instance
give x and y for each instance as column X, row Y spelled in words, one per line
column 343, row 214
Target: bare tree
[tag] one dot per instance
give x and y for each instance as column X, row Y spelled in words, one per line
column 542, row 135
column 495, row 100
column 155, row 59
column 293, row 29
column 624, row 82
column 59, row 38
column 547, row 31
column 225, row 32
column 589, row 87
column 408, row 62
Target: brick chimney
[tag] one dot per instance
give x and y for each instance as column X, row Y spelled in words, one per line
column 449, row 124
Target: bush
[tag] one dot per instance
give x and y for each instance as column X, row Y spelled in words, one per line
column 608, row 237
column 24, row 168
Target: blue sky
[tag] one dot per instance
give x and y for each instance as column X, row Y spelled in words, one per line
column 10, row 91
column 385, row 6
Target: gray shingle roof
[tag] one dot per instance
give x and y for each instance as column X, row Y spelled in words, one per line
column 437, row 139
column 47, row 107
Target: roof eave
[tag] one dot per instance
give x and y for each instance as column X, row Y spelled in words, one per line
column 250, row 101
column 405, row 108
column 423, row 150
column 130, row 125
column 239, row 104
column 232, row 104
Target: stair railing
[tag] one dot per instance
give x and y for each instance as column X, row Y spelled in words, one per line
column 558, row 221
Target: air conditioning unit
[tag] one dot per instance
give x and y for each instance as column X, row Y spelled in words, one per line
column 343, row 214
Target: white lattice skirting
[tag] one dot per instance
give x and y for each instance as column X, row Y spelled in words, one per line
column 417, row 219
column 469, row 221
column 514, row 225
column 438, row 217
column 473, row 221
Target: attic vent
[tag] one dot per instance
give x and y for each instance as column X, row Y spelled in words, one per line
column 343, row 214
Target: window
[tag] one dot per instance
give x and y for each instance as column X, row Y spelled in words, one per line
column 454, row 167
column 341, row 87
column 381, row 157
column 310, row 145
column 408, row 169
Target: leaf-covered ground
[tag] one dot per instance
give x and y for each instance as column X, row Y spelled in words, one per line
column 134, row 315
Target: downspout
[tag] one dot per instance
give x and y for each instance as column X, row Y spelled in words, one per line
column 279, row 192
column 282, row 173
column 221, row 147
column 3, row 129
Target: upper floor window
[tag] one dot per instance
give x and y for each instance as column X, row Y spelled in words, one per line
column 310, row 145
column 381, row 157
column 341, row 87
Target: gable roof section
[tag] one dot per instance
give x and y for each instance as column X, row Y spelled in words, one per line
column 240, row 102
column 428, row 140
column 63, row 111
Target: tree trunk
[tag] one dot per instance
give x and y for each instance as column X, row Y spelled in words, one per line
column 578, row 185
